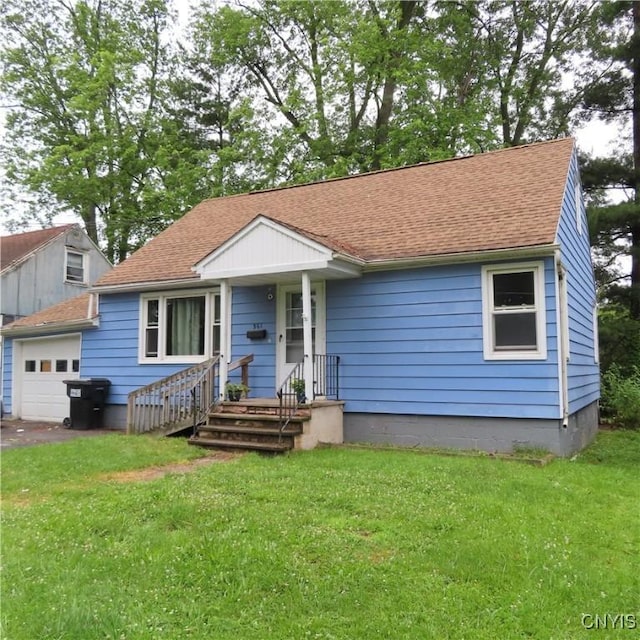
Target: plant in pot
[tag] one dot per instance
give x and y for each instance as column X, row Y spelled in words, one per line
column 235, row 390
column 298, row 387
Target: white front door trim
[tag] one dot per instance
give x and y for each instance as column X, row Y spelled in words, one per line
column 317, row 296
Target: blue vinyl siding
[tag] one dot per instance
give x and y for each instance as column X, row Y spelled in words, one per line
column 582, row 372
column 7, row 375
column 111, row 351
column 250, row 306
column 411, row 343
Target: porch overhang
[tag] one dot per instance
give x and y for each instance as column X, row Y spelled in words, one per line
column 267, row 252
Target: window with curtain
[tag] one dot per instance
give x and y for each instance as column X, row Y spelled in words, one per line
column 179, row 327
column 185, row 326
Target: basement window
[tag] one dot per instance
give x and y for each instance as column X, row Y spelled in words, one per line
column 514, row 312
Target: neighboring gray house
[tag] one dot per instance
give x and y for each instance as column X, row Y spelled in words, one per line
column 39, row 269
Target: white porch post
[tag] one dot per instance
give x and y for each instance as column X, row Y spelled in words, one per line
column 307, row 334
column 225, row 335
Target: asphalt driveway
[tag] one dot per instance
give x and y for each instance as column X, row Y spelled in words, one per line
column 22, row 433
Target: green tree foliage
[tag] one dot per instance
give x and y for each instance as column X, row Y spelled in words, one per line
column 615, row 224
column 345, row 86
column 525, row 50
column 89, row 131
column 109, row 123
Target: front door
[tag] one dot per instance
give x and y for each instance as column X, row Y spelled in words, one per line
column 290, row 347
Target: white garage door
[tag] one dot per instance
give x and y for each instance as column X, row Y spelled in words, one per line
column 45, row 364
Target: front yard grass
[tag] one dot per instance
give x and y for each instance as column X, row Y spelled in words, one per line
column 333, row 543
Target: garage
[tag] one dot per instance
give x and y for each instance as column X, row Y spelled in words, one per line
column 42, row 366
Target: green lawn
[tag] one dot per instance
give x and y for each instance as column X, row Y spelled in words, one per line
column 333, row 543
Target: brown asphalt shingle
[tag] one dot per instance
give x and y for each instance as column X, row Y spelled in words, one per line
column 18, row 246
column 498, row 200
column 73, row 310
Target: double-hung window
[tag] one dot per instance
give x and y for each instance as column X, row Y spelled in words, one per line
column 75, row 268
column 514, row 312
column 179, row 327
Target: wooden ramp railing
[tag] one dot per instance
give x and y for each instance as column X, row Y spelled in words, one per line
column 175, row 402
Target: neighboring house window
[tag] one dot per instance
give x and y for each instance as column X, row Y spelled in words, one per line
column 514, row 312
column 174, row 326
column 75, row 267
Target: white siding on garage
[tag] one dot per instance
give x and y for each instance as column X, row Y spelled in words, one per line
column 41, row 369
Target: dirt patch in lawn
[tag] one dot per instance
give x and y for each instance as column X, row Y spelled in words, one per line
column 153, row 473
column 23, row 433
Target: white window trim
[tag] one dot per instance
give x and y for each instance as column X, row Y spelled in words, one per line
column 596, row 335
column 490, row 353
column 578, row 205
column 85, row 265
column 209, row 297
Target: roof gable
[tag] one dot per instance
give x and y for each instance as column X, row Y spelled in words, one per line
column 264, row 247
column 499, row 200
column 19, row 246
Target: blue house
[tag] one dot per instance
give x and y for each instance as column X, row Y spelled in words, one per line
column 447, row 304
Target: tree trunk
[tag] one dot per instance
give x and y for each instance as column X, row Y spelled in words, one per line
column 407, row 9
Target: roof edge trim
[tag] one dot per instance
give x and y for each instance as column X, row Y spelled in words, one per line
column 463, row 257
column 49, row 327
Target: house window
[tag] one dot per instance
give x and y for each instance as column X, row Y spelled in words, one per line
column 151, row 329
column 185, row 326
column 514, row 312
column 174, row 326
column 75, row 267
column 61, row 366
column 30, row 366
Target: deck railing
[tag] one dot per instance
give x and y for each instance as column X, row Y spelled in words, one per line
column 180, row 400
column 326, row 376
column 290, row 398
column 326, row 384
column 175, row 402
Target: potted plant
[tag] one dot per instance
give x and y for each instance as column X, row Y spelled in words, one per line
column 299, row 387
column 235, row 390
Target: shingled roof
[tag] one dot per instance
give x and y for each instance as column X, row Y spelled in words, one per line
column 503, row 199
column 17, row 247
column 78, row 310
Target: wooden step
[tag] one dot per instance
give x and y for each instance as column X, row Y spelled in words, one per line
column 291, row 430
column 275, row 447
column 258, row 406
column 253, row 417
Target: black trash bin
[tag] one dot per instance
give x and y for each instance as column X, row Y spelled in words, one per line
column 87, row 399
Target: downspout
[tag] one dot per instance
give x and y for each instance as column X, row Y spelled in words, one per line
column 93, row 304
column 563, row 338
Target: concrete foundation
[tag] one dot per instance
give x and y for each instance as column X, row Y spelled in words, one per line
column 324, row 426
column 481, row 434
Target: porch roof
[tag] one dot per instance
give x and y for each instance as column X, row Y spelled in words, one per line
column 505, row 199
column 266, row 250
